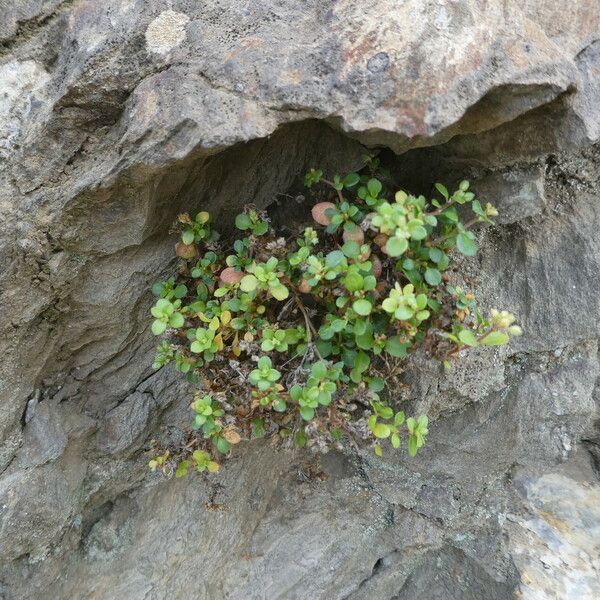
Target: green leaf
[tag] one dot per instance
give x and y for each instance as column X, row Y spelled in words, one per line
column 376, row 384
column 436, row 255
column 433, row 276
column 495, row 338
column 326, row 333
column 334, row 258
column 466, row 336
column 396, row 246
column 370, row 283
column 384, row 412
column 412, row 445
column 223, row 446
column 202, row 291
column 180, row 291
column 442, row 190
column 158, row 327
column 187, row 237
column 476, row 207
column 381, row 431
column 374, row 186
column 307, row 413
column 418, row 232
column 182, row 468
column 356, row 375
column 260, row 228
column 395, row 440
column 324, row 347
column 342, row 301
column 338, row 325
column 351, row 180
column 243, row 221
column 395, row 347
column 176, row 320
column 248, row 283
column 402, row 313
column 301, row 439
column 362, row 361
column 279, row 292
column 362, row 307
column 353, row 282
column 365, row 341
column 319, row 370
column 258, row 426
column 451, row 215
column 351, row 249
column 466, row 245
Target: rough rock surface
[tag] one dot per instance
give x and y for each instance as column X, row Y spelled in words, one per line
column 116, row 115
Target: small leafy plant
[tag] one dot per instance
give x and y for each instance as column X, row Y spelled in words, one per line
column 297, row 338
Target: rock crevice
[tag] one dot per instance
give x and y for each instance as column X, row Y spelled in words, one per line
column 116, row 116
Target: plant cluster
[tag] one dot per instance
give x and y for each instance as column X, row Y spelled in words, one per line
column 296, row 338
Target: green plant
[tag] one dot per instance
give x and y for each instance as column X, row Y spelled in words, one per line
column 265, row 276
column 197, row 230
column 264, row 376
column 299, row 339
column 251, row 220
column 166, row 314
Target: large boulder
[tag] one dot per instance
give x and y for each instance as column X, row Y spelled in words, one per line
column 117, row 115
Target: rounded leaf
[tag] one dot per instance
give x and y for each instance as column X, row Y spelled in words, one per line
column 495, row 338
column 466, row 336
column 362, row 307
column 353, row 282
column 466, row 245
column 243, row 221
column 229, row 275
column 318, row 212
column 187, row 237
column 356, row 235
column 351, row 180
column 176, row 320
column 418, row 232
column 396, row 246
column 433, row 276
column 279, row 292
column 248, row 283
column 381, row 431
column 158, row 327
column 374, row 186
column 307, row 413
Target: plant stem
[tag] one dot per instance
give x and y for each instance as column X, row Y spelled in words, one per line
column 330, row 183
column 440, row 210
column 467, row 225
column 309, row 326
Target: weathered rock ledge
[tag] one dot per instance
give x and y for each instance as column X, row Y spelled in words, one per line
column 115, row 116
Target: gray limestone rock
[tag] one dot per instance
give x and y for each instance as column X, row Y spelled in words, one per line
column 115, row 116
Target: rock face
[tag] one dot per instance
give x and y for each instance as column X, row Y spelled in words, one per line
column 117, row 115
